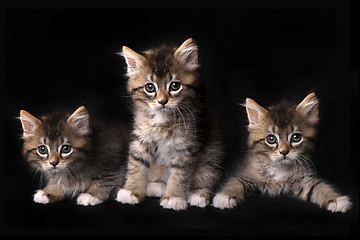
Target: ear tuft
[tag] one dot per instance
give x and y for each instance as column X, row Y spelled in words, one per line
column 80, row 120
column 255, row 112
column 188, row 53
column 132, row 58
column 29, row 123
column 309, row 108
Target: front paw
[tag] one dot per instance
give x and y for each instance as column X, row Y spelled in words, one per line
column 198, row 200
column 223, row 201
column 87, row 199
column 125, row 196
column 176, row 203
column 40, row 197
column 341, row 204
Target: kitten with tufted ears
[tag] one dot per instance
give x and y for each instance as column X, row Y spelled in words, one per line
column 177, row 147
column 278, row 161
column 75, row 157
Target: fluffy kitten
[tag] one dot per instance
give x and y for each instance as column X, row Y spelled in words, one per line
column 176, row 148
column 76, row 159
column 280, row 143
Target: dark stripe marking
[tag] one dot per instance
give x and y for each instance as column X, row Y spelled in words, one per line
column 310, row 193
column 139, row 159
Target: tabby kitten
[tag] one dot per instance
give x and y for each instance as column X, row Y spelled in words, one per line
column 280, row 143
column 75, row 159
column 176, row 148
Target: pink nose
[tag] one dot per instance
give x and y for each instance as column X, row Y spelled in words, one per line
column 163, row 101
column 54, row 162
column 284, row 151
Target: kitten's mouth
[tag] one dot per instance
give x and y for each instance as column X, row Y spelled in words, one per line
column 163, row 109
column 54, row 170
column 285, row 161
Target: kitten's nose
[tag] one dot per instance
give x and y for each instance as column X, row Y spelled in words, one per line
column 284, row 151
column 54, row 162
column 162, row 101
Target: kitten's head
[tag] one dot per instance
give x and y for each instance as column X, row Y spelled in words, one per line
column 285, row 132
column 162, row 79
column 55, row 143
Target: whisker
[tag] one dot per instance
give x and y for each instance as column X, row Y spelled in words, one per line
column 307, row 160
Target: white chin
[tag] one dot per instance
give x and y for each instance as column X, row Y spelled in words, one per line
column 286, row 161
column 53, row 170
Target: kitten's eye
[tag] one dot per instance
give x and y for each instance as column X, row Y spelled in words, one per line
column 66, row 149
column 296, row 137
column 150, row 88
column 174, row 86
column 271, row 139
column 43, row 150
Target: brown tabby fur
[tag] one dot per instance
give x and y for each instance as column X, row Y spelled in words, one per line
column 91, row 171
column 176, row 149
column 283, row 166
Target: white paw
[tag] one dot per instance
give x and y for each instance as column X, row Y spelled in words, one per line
column 342, row 204
column 155, row 189
column 40, row 197
column 87, row 199
column 223, row 201
column 176, row 203
column 126, row 196
column 197, row 200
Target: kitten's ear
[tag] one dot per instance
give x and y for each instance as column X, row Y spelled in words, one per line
column 132, row 58
column 29, row 123
column 255, row 112
column 309, row 108
column 80, row 120
column 188, row 53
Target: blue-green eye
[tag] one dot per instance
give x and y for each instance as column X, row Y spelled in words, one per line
column 296, row 137
column 66, row 149
column 271, row 139
column 150, row 88
column 42, row 150
column 174, row 86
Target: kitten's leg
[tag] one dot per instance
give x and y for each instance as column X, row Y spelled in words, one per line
column 157, row 178
column 175, row 193
column 135, row 186
column 206, row 177
column 98, row 192
column 50, row 194
column 323, row 194
column 155, row 189
column 232, row 194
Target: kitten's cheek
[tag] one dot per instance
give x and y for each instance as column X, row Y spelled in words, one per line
column 40, row 197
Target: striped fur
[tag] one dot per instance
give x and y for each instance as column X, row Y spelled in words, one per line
column 176, row 148
column 282, row 166
column 94, row 168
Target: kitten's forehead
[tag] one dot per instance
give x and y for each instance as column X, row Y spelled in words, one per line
column 151, row 77
column 54, row 126
column 161, row 60
column 283, row 115
column 284, row 131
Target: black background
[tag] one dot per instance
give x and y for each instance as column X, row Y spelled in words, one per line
column 62, row 58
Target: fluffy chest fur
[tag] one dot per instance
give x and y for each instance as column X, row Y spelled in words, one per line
column 167, row 143
column 71, row 184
